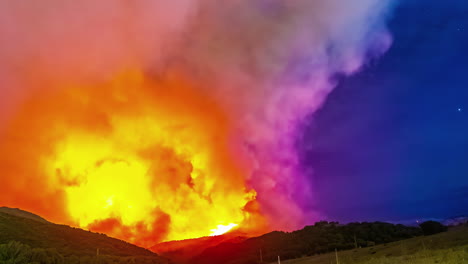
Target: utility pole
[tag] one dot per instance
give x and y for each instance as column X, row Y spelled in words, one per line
column 336, row 254
column 261, row 256
column 279, row 260
column 355, row 241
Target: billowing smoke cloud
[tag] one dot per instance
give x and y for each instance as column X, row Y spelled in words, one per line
column 266, row 65
column 273, row 64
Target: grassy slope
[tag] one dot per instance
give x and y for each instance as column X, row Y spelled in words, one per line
column 67, row 240
column 448, row 248
column 320, row 238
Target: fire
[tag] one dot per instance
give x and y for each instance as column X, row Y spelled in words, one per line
column 146, row 166
column 157, row 120
column 222, row 229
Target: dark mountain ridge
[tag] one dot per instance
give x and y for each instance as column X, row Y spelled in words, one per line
column 37, row 233
column 23, row 231
column 320, row 238
column 21, row 213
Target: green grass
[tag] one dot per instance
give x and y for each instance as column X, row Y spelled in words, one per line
column 445, row 248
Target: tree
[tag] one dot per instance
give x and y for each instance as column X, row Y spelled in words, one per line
column 432, row 227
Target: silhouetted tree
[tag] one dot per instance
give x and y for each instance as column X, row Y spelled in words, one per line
column 432, row 227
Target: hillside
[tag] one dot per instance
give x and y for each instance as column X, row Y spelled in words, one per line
column 183, row 250
column 320, row 238
column 448, row 248
column 34, row 232
column 21, row 213
column 27, row 238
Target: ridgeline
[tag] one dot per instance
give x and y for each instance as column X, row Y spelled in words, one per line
column 28, row 238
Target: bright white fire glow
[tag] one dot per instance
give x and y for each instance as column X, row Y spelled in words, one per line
column 222, row 229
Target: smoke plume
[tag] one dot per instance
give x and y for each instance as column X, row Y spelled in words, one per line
column 197, row 105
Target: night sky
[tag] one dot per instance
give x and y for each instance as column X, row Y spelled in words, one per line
column 391, row 142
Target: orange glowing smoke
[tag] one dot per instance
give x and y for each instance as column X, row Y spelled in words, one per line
column 159, row 120
column 141, row 160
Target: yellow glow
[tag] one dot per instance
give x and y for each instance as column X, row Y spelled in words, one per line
column 222, row 229
column 157, row 166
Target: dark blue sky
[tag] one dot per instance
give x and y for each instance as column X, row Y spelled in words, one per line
column 391, row 142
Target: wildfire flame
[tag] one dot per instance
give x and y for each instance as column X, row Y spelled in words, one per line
column 222, row 229
column 143, row 165
column 159, row 120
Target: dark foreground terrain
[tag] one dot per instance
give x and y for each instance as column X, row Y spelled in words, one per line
column 28, row 238
column 445, row 248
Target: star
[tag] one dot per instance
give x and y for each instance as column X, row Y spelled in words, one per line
column 459, row 109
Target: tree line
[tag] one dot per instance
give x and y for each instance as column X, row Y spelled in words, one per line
column 322, row 237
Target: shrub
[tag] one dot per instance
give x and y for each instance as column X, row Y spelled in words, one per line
column 432, row 227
